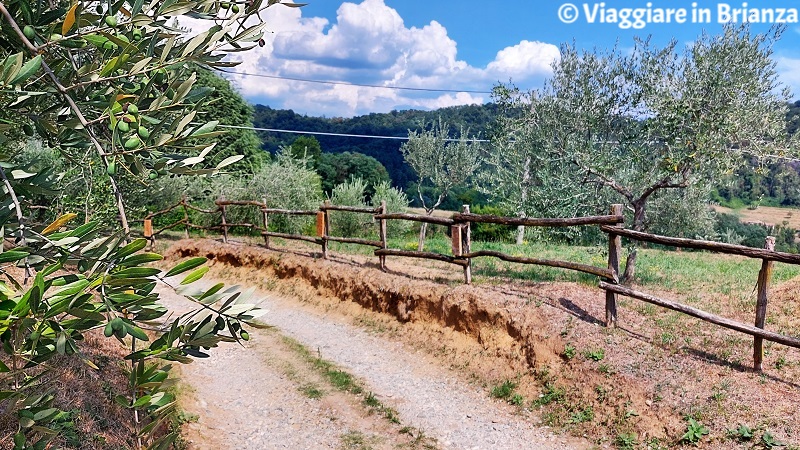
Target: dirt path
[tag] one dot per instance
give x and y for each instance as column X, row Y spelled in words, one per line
column 259, row 397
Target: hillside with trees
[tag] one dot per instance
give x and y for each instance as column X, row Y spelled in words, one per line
column 475, row 118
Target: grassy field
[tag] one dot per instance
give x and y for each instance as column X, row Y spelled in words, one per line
column 681, row 272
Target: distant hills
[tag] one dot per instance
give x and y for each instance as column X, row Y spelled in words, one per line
column 476, row 118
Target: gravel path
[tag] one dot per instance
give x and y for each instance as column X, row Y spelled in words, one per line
column 247, row 403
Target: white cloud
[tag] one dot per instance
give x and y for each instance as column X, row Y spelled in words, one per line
column 789, row 73
column 370, row 44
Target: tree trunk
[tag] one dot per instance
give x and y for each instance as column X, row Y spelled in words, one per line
column 520, row 234
column 422, row 229
column 638, row 225
column 526, row 177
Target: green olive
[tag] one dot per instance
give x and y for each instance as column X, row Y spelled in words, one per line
column 133, row 109
column 245, row 335
column 111, row 169
column 143, row 133
column 132, row 143
column 29, row 32
column 152, row 175
column 56, row 37
column 111, row 21
column 108, row 330
column 235, row 9
column 123, row 127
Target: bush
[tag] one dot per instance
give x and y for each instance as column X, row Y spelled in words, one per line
column 396, row 202
column 349, row 224
column 491, row 232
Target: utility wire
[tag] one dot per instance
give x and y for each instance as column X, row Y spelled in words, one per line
column 321, row 133
column 345, row 83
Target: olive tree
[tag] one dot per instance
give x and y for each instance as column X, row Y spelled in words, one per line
column 522, row 173
column 441, row 162
column 109, row 85
column 656, row 118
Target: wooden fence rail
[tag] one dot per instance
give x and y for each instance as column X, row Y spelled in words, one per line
column 462, row 254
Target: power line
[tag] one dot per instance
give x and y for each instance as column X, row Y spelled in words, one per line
column 321, row 133
column 345, row 83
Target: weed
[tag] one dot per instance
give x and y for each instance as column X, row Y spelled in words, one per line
column 769, row 442
column 569, row 352
column 626, row 441
column 550, row 394
column 655, row 444
column 694, row 432
column 517, row 400
column 420, row 440
column 311, row 391
column 780, row 363
column 583, row 415
column 630, row 413
column 602, row 393
column 371, row 401
column 355, row 440
column 343, row 381
column 595, row 355
column 504, row 390
column 606, row 369
column 741, row 434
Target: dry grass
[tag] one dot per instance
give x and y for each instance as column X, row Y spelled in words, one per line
column 768, row 215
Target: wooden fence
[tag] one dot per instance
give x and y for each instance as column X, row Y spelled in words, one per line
column 462, row 254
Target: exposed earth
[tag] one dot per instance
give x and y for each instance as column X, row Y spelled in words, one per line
column 428, row 354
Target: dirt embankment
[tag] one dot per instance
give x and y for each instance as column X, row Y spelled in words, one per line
column 492, row 332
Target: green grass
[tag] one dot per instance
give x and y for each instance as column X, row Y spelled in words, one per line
column 680, row 272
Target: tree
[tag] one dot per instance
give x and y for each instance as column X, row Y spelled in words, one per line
column 110, row 86
column 640, row 122
column 308, row 148
column 521, row 173
column 337, row 168
column 440, row 161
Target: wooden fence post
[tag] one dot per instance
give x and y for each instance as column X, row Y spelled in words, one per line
column 224, row 221
column 764, row 276
column 266, row 222
column 324, row 217
column 148, row 232
column 382, row 234
column 466, row 246
column 185, row 218
column 614, row 255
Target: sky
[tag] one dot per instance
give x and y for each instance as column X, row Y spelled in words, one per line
column 453, row 52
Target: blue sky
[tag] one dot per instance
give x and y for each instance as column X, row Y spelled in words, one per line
column 457, row 45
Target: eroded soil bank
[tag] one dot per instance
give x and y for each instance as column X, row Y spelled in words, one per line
column 612, row 386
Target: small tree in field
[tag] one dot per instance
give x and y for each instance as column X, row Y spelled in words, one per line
column 112, row 87
column 440, row 162
column 637, row 123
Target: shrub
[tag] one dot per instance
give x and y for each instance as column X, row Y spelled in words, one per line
column 349, row 224
column 396, row 202
column 491, row 232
